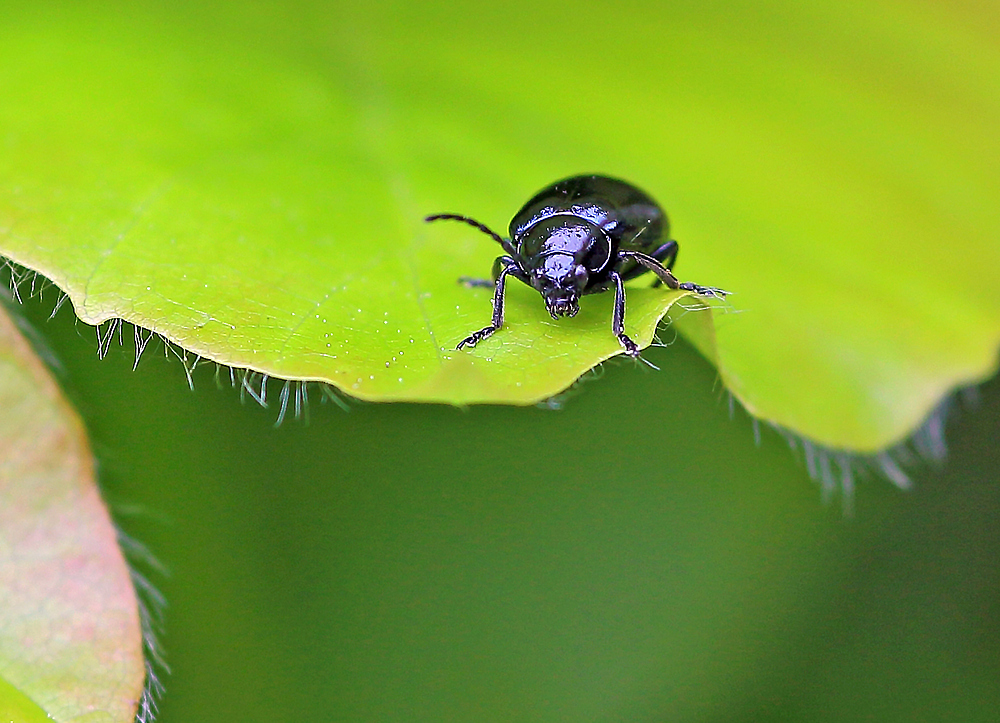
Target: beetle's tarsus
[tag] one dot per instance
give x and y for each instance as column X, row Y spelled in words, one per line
column 709, row 291
column 473, row 339
column 630, row 346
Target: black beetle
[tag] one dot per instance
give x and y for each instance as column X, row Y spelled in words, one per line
column 580, row 236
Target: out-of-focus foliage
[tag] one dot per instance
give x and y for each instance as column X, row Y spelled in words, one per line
column 70, row 641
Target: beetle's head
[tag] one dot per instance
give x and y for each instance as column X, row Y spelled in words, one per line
column 560, row 280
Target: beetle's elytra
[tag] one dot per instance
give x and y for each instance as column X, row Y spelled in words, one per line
column 579, row 236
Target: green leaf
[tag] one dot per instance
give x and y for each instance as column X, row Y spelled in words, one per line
column 70, row 639
column 250, row 183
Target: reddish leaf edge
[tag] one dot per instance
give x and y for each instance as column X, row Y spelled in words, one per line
column 138, row 558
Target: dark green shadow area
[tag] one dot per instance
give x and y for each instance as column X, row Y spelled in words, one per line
column 618, row 560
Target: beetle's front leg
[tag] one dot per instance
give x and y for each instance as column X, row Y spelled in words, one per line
column 618, row 317
column 471, row 282
column 667, row 256
column 668, row 278
column 509, row 265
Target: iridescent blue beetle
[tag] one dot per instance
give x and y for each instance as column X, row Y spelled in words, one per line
column 579, row 236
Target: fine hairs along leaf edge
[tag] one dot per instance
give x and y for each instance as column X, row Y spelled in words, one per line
column 834, row 469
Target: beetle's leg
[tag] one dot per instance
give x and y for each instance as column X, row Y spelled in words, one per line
column 475, row 338
column 666, row 255
column 667, row 277
column 498, row 264
column 663, row 274
column 618, row 317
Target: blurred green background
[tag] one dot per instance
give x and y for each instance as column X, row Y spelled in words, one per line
column 611, row 561
column 634, row 556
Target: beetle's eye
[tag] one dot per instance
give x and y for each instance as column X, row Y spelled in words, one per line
column 580, row 274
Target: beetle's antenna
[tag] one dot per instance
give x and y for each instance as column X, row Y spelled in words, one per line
column 475, row 224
